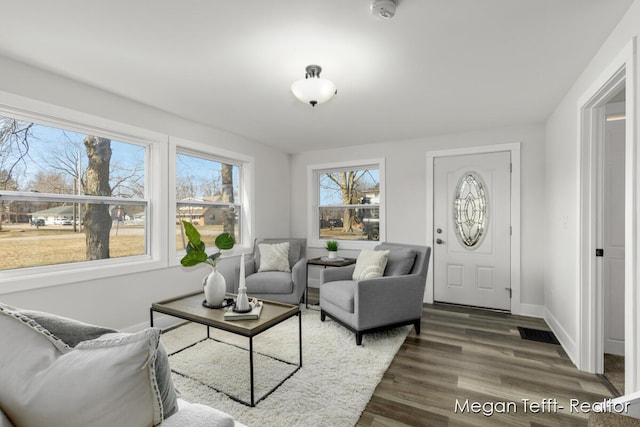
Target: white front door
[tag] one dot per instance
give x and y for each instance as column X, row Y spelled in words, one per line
column 472, row 230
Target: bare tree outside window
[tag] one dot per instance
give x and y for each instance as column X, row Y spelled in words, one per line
column 207, row 195
column 15, row 137
column 55, row 182
column 97, row 219
column 341, row 189
column 227, row 197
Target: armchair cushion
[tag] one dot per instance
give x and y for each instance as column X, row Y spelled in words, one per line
column 400, row 261
column 269, row 282
column 370, row 264
column 274, row 257
column 340, row 293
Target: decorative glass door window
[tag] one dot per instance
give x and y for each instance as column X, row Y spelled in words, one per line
column 470, row 209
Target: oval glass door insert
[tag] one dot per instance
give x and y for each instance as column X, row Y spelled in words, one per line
column 470, row 209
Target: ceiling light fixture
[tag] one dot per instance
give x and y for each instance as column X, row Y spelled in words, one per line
column 312, row 88
column 384, row 9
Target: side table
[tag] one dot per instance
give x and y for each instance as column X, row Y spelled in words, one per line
column 325, row 262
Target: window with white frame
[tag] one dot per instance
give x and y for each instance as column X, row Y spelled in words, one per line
column 349, row 202
column 69, row 194
column 208, row 194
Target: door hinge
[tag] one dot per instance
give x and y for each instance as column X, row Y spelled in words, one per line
column 599, row 252
column 510, row 167
column 510, row 292
column 510, row 230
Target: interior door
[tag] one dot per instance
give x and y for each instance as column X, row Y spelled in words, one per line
column 613, row 232
column 472, row 230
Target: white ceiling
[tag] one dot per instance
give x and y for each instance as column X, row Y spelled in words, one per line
column 438, row 66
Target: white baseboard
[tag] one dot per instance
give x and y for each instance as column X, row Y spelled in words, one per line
column 531, row 310
column 566, row 342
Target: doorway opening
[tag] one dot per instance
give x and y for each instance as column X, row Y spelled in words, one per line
column 597, row 296
column 611, row 238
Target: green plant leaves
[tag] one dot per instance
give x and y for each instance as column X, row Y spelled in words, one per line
column 196, row 247
column 332, row 245
column 225, row 241
column 192, row 234
column 193, row 258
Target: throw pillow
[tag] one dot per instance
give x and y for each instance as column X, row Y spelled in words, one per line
column 370, row 264
column 274, row 257
column 72, row 332
column 400, row 261
column 102, row 382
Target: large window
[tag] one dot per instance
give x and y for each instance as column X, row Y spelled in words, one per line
column 207, row 195
column 349, row 202
column 69, row 195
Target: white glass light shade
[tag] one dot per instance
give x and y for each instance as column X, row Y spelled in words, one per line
column 313, row 90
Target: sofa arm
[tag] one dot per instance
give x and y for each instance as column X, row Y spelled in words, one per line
column 197, row 415
column 334, row 274
column 4, row 420
column 299, row 273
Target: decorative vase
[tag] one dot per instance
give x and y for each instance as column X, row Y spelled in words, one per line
column 215, row 288
column 333, row 254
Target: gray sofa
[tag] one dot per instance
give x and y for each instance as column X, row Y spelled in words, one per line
column 369, row 305
column 287, row 287
column 56, row 371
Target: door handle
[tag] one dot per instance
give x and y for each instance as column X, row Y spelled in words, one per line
column 439, row 241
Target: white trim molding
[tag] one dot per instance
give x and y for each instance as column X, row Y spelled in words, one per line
column 514, row 149
column 620, row 73
column 313, row 240
column 155, row 143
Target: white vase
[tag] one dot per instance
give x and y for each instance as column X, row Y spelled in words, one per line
column 215, row 288
column 333, row 254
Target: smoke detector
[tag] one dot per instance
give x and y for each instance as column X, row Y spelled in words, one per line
column 384, row 9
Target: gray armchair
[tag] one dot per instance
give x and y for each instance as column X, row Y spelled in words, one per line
column 369, row 305
column 278, row 285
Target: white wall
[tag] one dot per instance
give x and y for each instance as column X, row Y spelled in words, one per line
column 406, row 191
column 123, row 301
column 562, row 188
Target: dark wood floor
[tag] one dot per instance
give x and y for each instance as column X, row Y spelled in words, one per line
column 464, row 353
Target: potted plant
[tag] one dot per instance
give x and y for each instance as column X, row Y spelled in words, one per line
column 214, row 283
column 332, row 248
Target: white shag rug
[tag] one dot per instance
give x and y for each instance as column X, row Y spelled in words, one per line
column 332, row 388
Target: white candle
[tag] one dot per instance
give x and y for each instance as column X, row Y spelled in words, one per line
column 241, row 283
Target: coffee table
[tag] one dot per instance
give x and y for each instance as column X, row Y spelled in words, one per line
column 189, row 307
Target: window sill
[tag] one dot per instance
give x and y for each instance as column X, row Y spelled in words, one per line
column 59, row 275
column 346, row 244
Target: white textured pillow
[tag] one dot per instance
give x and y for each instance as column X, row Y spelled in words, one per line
column 370, row 264
column 274, row 256
column 108, row 381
